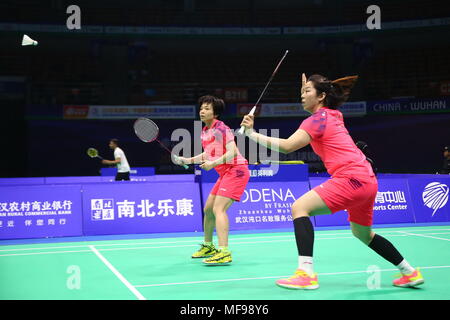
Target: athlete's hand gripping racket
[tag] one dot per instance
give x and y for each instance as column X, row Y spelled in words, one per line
column 148, row 131
column 93, row 153
column 252, row 111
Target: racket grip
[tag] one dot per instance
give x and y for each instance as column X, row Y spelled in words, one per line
column 242, row 129
column 183, row 165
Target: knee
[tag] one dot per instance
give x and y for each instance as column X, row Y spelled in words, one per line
column 218, row 210
column 363, row 236
column 297, row 212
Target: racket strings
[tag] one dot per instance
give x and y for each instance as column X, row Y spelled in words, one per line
column 146, row 130
column 92, row 152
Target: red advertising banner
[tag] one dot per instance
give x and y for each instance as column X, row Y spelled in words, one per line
column 233, row 95
column 75, row 112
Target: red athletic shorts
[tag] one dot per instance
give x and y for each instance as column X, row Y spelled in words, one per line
column 357, row 195
column 232, row 183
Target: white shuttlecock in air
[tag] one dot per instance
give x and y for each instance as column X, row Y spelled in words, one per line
column 27, row 41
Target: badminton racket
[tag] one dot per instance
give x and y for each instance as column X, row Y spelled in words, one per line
column 148, row 131
column 93, row 153
column 252, row 111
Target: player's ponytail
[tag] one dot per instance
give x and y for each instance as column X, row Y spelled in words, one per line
column 336, row 91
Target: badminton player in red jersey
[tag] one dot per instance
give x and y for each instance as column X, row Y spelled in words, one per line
column 222, row 154
column 352, row 186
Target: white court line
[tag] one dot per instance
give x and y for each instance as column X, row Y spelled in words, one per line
column 270, row 277
column 35, row 253
column 256, row 242
column 422, row 235
column 177, row 246
column 118, row 274
column 319, row 236
column 196, row 241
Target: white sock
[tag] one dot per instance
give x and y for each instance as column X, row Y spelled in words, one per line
column 208, row 243
column 405, row 267
column 306, row 264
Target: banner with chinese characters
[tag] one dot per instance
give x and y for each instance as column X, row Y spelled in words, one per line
column 295, row 109
column 141, row 208
column 263, row 205
column 268, row 197
column 40, row 211
column 393, row 204
column 133, row 112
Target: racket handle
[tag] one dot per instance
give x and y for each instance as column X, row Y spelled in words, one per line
column 183, row 165
column 242, row 129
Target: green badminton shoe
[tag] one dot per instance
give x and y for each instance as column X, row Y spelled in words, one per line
column 219, row 259
column 205, row 251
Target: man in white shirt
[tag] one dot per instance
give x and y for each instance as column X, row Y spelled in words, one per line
column 123, row 168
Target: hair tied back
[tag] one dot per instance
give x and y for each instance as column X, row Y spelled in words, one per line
column 346, row 83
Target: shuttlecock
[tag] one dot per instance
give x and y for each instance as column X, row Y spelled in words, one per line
column 27, row 41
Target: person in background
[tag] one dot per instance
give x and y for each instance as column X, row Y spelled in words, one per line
column 446, row 165
column 120, row 160
column 365, row 149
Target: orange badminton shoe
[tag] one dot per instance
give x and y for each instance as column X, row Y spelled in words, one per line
column 300, row 280
column 409, row 280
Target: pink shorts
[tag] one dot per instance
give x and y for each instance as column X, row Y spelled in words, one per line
column 232, row 183
column 354, row 194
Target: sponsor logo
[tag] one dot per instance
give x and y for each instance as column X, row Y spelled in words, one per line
column 435, row 196
column 102, row 209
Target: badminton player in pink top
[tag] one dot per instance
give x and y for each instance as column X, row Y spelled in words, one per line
column 222, row 154
column 353, row 185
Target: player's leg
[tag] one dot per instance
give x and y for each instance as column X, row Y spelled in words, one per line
column 410, row 276
column 207, row 248
column 221, row 205
column 209, row 221
column 230, row 189
column 361, row 220
column 309, row 204
column 223, row 256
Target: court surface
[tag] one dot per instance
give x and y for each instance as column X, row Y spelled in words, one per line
column 161, row 268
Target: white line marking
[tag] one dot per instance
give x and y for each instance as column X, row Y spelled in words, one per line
column 177, row 246
column 319, row 234
column 118, row 274
column 422, row 235
column 271, row 277
column 34, row 253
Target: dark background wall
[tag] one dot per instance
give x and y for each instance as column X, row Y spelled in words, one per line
column 100, row 69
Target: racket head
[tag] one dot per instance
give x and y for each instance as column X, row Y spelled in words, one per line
column 91, row 152
column 146, row 129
